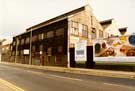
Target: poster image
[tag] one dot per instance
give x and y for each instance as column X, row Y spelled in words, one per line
column 115, row 47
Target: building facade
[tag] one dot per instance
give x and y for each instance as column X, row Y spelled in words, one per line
column 5, row 50
column 53, row 42
column 110, row 28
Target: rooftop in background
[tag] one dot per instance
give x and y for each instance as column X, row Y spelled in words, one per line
column 109, row 21
column 106, row 23
column 123, row 30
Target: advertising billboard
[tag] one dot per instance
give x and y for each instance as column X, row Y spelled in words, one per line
column 80, row 50
column 118, row 49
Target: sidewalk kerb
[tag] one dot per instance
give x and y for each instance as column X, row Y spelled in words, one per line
column 95, row 72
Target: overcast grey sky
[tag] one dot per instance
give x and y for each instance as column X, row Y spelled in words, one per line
column 18, row 15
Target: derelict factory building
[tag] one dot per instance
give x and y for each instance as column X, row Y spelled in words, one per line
column 52, row 42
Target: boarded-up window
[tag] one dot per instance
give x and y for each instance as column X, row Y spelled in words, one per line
column 33, row 48
column 41, row 47
column 13, row 53
column 49, row 51
column 41, row 36
column 34, row 38
column 22, row 41
column 60, row 32
column 27, row 40
column 60, row 49
column 50, row 34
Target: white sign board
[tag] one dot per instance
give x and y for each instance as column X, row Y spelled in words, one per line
column 26, row 51
column 80, row 50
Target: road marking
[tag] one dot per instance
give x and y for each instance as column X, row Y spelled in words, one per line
column 69, row 78
column 111, row 84
column 10, row 85
column 56, row 76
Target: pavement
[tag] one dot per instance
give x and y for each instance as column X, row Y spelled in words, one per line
column 33, row 79
column 95, row 72
column 7, row 86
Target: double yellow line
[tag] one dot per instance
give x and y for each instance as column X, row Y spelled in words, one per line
column 10, row 85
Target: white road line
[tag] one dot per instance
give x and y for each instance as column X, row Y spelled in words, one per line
column 10, row 85
column 69, row 78
column 56, row 76
column 111, row 84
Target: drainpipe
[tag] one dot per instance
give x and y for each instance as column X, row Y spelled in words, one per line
column 68, row 44
column 16, row 50
column 30, row 54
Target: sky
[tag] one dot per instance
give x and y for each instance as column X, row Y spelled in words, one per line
column 18, row 15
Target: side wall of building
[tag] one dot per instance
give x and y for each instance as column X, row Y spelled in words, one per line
column 111, row 30
column 48, row 45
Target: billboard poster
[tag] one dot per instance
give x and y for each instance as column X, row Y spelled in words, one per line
column 120, row 48
column 80, row 50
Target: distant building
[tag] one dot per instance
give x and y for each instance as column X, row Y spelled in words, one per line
column 110, row 28
column 123, row 30
column 52, row 42
column 5, row 50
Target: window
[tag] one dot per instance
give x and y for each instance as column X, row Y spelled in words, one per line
column 33, row 48
column 49, row 51
column 13, row 53
column 60, row 49
column 41, row 36
column 93, row 33
column 41, row 47
column 60, row 32
column 45, row 35
column 100, row 34
column 74, row 28
column 22, row 52
column 34, row 38
column 27, row 40
column 84, row 30
column 18, row 52
column 50, row 34
column 22, row 41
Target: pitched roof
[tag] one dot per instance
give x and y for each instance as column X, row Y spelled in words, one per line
column 123, row 30
column 57, row 18
column 106, row 23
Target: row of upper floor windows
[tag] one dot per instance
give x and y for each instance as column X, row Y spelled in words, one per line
column 79, row 29
column 41, row 36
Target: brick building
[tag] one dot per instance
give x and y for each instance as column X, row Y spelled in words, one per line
column 52, row 42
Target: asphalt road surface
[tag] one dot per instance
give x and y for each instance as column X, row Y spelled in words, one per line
column 37, row 80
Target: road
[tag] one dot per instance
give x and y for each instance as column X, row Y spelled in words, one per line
column 36, row 80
